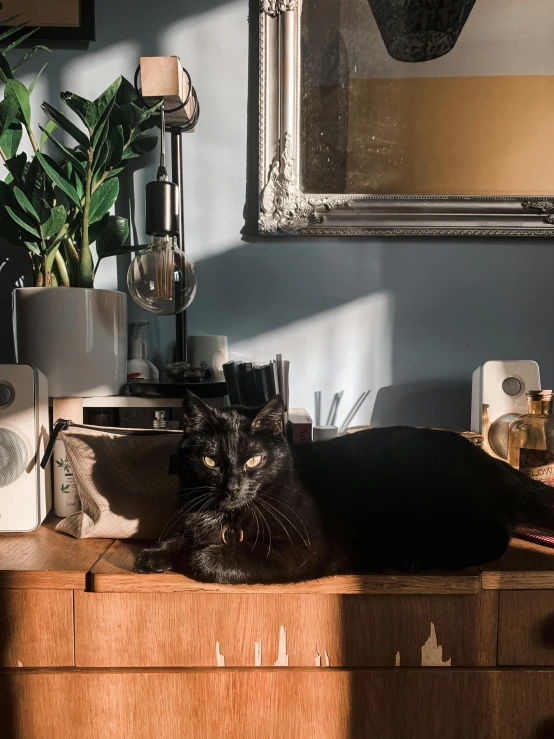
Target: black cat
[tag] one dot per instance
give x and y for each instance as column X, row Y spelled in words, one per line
column 258, row 511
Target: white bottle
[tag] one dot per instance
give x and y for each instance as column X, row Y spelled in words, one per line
column 138, row 367
column 66, row 497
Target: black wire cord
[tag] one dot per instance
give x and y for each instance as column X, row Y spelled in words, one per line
column 191, row 92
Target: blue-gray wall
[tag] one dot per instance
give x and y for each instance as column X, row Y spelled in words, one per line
column 418, row 315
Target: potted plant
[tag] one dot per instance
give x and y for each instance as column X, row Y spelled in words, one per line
column 56, row 207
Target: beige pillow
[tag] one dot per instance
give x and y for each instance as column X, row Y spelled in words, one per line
column 124, row 482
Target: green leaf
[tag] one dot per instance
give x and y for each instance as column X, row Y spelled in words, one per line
column 11, row 232
column 144, row 145
column 9, row 107
column 25, row 203
column 66, row 152
column 116, row 146
column 16, row 166
column 103, row 199
column 56, row 220
column 132, row 115
column 19, row 40
column 18, row 90
column 12, row 29
column 36, row 79
column 105, row 101
column 100, row 158
column 5, row 69
column 79, row 186
column 10, row 140
column 32, row 246
column 67, row 125
column 21, row 222
column 85, row 109
column 47, row 131
column 58, row 179
column 126, row 93
column 111, row 241
column 114, row 172
column 33, row 181
column 96, row 229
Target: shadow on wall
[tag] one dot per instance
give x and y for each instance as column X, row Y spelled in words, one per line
column 456, row 303
column 423, row 404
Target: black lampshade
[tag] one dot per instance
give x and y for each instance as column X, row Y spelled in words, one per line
column 420, row 30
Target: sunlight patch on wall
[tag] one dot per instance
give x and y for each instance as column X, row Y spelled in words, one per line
column 348, row 348
column 212, row 47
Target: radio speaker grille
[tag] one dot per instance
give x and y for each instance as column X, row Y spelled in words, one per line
column 13, row 457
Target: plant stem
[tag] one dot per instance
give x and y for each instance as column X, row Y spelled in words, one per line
column 62, row 268
column 2, row 154
column 46, row 274
column 85, row 257
column 32, row 139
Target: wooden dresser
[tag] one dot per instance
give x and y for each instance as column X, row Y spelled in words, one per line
column 90, row 650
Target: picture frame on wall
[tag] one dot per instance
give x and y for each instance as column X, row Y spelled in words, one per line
column 406, row 117
column 54, row 20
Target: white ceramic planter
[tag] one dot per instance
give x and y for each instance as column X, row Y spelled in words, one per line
column 76, row 336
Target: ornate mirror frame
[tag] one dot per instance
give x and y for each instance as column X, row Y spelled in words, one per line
column 285, row 210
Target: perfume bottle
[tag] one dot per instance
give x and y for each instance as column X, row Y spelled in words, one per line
column 531, row 438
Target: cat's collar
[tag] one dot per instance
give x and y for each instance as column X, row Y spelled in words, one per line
column 231, row 533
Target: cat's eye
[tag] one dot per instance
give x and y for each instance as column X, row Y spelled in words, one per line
column 254, row 461
column 209, row 462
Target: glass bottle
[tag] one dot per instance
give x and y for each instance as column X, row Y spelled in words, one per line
column 531, row 438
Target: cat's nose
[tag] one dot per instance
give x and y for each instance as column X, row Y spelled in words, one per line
column 233, row 487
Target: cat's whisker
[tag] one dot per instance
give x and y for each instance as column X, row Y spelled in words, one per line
column 306, row 543
column 279, row 522
column 268, row 528
column 171, row 499
column 178, row 515
column 298, row 516
column 251, row 508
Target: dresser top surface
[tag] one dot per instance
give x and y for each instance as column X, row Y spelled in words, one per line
column 47, row 559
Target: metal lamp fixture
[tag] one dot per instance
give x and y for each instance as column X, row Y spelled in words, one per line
column 162, row 278
column 420, row 30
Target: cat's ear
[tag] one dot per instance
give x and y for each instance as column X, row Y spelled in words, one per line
column 270, row 418
column 196, row 413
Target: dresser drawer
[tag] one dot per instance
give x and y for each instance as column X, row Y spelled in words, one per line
column 36, row 628
column 526, row 627
column 301, row 630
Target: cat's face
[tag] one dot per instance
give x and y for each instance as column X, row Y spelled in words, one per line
column 228, row 457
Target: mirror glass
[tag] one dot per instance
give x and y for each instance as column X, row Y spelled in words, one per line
column 427, row 97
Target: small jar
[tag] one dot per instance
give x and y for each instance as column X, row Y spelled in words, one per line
column 531, row 438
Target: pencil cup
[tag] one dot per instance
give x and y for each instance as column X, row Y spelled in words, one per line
column 322, row 433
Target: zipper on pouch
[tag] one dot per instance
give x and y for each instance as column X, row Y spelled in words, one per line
column 63, row 424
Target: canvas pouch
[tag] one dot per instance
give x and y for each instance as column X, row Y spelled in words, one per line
column 125, row 479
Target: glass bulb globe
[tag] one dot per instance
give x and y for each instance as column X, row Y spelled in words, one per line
column 162, row 279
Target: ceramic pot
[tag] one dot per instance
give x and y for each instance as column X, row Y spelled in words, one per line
column 76, row 336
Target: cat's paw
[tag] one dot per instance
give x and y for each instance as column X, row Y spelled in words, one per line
column 152, row 560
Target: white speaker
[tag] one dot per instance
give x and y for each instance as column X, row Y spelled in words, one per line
column 497, row 397
column 25, row 488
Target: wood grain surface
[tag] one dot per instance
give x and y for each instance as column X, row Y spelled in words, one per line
column 36, row 628
column 47, row 559
column 70, row 409
column 526, row 628
column 113, row 572
column 276, row 704
column 306, row 630
column 525, row 566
